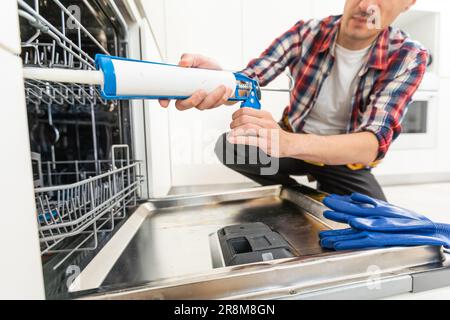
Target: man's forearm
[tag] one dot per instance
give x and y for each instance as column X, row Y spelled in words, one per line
column 342, row 149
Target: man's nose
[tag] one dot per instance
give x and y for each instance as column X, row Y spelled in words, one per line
column 364, row 5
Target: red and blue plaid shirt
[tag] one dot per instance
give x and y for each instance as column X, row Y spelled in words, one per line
column 391, row 74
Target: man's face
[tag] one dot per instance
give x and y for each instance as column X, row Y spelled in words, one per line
column 363, row 19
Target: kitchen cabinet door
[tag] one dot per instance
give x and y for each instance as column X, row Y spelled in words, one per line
column 263, row 21
column 9, row 26
column 20, row 270
column 430, row 5
column 444, row 42
column 325, row 8
column 156, row 128
column 443, row 129
column 212, row 28
column 155, row 13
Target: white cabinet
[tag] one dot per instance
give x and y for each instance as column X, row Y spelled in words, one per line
column 263, row 21
column 20, row 270
column 155, row 12
column 424, row 27
column 150, row 121
column 9, row 26
column 212, row 28
column 156, row 127
column 427, row 163
column 428, row 23
column 443, row 129
column 431, row 5
column 232, row 32
column 324, row 8
column 444, row 42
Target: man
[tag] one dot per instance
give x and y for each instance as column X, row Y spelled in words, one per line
column 354, row 77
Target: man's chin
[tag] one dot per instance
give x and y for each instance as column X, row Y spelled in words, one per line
column 361, row 34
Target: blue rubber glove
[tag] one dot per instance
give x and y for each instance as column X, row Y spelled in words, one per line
column 377, row 224
column 365, row 213
column 350, row 239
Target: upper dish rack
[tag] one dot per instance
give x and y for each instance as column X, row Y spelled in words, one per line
column 58, row 50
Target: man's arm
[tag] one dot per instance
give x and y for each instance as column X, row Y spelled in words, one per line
column 392, row 94
column 258, row 128
column 361, row 148
column 381, row 121
column 380, row 124
column 270, row 63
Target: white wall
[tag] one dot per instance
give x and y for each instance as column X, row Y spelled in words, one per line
column 155, row 12
column 150, row 121
column 213, row 28
column 233, row 32
column 156, row 128
column 260, row 28
column 20, row 268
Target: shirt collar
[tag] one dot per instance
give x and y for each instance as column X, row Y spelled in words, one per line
column 378, row 55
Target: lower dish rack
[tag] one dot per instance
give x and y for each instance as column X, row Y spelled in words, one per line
column 70, row 217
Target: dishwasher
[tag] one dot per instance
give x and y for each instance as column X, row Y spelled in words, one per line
column 101, row 235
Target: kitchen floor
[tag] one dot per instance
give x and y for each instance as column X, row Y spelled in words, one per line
column 431, row 200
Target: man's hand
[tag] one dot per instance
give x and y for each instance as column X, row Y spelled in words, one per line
column 200, row 99
column 258, row 128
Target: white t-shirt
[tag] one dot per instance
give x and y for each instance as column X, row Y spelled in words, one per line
column 332, row 111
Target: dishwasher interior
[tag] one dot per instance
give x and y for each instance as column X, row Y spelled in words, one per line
column 85, row 176
column 94, row 225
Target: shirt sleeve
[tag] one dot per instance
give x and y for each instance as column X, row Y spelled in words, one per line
column 392, row 94
column 277, row 56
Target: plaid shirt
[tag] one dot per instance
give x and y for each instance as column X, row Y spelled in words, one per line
column 391, row 74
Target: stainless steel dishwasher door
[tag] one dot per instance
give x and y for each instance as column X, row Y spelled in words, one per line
column 174, row 241
column 164, row 252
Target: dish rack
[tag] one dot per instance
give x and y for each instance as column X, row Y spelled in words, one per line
column 77, row 201
column 59, row 52
column 87, row 208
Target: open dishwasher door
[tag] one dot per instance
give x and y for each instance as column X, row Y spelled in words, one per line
column 165, row 251
column 100, row 238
